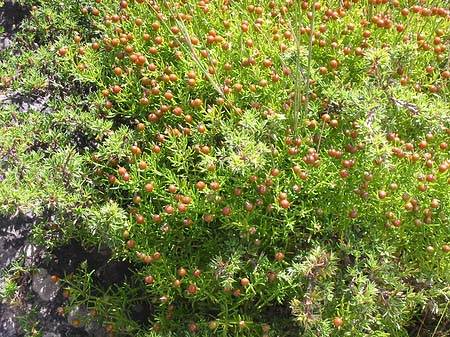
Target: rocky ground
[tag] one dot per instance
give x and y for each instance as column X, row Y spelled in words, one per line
column 36, row 303
column 35, row 307
column 11, row 15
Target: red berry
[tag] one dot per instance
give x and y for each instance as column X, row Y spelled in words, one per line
column 192, row 289
column 279, row 256
column 353, row 214
column 338, row 322
column 284, row 203
column 181, row 272
column 272, row 276
column 62, row 51
column 245, row 282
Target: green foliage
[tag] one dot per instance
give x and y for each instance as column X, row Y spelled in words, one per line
column 261, row 179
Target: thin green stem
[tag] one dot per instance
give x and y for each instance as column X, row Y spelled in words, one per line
column 440, row 319
column 308, row 69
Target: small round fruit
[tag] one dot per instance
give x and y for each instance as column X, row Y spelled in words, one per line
column 76, row 323
column 272, row 277
column 148, row 187
column 284, row 203
column 193, row 327
column 245, row 282
column 62, row 51
column 434, row 203
column 226, row 211
column 181, row 272
column 192, row 289
column 279, row 256
column 338, row 322
column 213, row 325
column 382, row 194
column 353, row 214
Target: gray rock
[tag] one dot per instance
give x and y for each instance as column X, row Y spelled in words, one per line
column 92, row 325
column 78, row 312
column 43, row 286
column 51, row 334
column 30, row 252
column 9, row 324
column 95, row 328
column 5, row 42
column 12, row 236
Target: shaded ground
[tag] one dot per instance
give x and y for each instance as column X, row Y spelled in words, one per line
column 11, row 15
column 29, row 309
column 38, row 302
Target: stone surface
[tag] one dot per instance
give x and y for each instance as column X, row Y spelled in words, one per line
column 43, row 286
column 51, row 334
column 13, row 234
column 9, row 324
column 38, row 306
column 11, row 15
column 26, row 102
column 93, row 327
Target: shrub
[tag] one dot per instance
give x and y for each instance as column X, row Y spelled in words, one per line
column 272, row 169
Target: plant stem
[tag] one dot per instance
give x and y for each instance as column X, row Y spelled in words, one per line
column 308, row 69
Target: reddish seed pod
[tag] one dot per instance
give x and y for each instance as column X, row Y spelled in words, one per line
column 284, row 203
column 200, row 185
column 245, row 282
column 131, row 243
column 226, row 211
column 214, row 185
column 192, row 289
column 181, row 272
column 279, row 256
column 169, row 209
column 435, row 203
column 275, row 172
column 272, row 277
column 382, row 194
column 353, row 214
column 338, row 322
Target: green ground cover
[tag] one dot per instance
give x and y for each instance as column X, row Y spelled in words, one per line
column 277, row 168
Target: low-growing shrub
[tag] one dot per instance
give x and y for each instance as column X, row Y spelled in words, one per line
column 272, row 169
